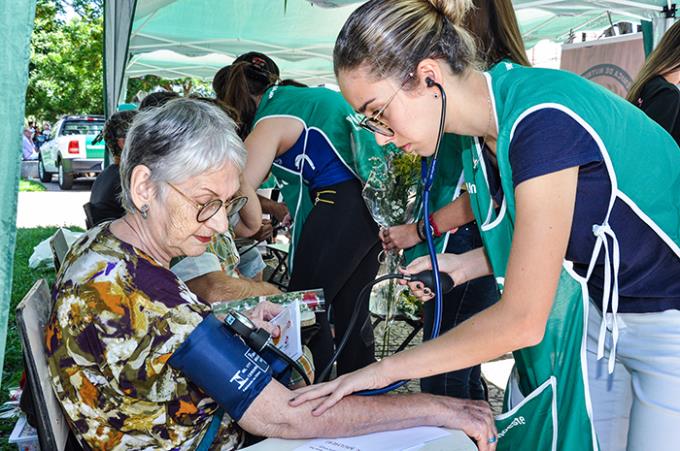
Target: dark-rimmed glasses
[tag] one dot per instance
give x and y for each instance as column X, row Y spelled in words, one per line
column 210, row 208
column 376, row 125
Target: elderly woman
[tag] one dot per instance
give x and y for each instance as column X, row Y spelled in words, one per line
column 121, row 315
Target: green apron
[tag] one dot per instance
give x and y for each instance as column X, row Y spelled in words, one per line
column 326, row 110
column 547, row 401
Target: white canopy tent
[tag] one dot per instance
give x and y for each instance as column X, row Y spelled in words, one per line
column 180, row 38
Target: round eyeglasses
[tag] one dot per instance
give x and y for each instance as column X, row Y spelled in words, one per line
column 375, row 124
column 210, row 208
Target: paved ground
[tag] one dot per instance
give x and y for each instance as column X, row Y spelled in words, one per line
column 495, row 373
column 54, row 207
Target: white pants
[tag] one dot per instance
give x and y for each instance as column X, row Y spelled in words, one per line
column 637, row 407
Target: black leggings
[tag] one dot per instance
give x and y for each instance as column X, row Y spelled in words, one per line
column 338, row 251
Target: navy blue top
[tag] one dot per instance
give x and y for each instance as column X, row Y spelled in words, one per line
column 322, row 166
column 548, row 141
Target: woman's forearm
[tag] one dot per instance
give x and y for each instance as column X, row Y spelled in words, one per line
column 475, row 265
column 487, row 335
column 454, row 214
column 251, row 213
column 545, row 207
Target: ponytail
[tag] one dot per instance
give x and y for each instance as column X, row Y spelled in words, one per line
column 243, row 83
column 455, row 10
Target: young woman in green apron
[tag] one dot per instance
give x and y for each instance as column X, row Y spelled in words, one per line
column 494, row 26
column 569, row 213
column 308, row 139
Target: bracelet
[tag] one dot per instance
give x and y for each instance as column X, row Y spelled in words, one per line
column 435, row 229
column 419, row 229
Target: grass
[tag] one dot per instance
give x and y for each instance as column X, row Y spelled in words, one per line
column 30, row 185
column 23, row 279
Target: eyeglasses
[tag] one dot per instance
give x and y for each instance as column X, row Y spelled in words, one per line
column 376, row 125
column 210, row 208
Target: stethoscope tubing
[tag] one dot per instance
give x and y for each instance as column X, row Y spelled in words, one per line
column 428, row 174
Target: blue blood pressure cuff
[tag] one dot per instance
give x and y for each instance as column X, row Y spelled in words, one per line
column 218, row 361
column 280, row 369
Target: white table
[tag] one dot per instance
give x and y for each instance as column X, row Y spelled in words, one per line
column 457, row 441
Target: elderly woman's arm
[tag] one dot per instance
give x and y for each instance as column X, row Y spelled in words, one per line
column 270, row 415
column 217, row 286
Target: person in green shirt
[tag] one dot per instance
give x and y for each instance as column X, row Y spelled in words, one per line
column 494, row 26
column 308, row 138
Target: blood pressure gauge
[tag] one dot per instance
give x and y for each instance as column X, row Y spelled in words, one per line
column 257, row 339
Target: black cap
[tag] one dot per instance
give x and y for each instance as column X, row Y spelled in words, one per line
column 261, row 61
column 261, row 68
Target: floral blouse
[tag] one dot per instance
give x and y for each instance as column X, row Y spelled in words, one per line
column 118, row 316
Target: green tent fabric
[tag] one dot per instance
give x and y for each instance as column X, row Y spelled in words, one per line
column 195, row 36
column 297, row 34
column 171, row 65
column 556, row 19
column 117, row 22
column 16, row 25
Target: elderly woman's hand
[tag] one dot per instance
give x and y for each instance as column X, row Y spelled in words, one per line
column 264, row 312
column 476, row 419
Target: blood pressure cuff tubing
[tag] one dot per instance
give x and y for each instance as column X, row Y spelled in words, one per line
column 218, row 361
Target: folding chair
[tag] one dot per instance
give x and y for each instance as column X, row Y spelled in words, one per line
column 89, row 219
column 279, row 275
column 32, row 314
column 59, row 247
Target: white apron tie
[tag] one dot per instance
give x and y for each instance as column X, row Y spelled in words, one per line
column 601, row 233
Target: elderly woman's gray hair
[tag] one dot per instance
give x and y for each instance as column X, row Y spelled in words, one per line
column 182, row 139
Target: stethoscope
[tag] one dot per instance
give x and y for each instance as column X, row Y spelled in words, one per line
column 431, row 279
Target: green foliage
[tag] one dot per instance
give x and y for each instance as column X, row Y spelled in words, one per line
column 23, row 279
column 150, row 83
column 66, row 68
column 30, row 185
column 93, row 8
column 65, row 72
column 392, row 189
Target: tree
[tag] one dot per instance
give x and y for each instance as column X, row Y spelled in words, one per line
column 183, row 86
column 66, row 67
column 65, row 71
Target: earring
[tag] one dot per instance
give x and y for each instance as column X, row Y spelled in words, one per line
column 436, row 96
column 144, row 211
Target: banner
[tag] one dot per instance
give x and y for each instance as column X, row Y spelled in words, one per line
column 611, row 62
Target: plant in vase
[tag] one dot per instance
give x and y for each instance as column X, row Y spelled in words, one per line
column 392, row 195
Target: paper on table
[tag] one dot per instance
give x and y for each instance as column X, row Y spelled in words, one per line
column 379, row 441
column 290, row 341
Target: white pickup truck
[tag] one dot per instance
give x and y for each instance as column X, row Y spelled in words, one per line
column 69, row 151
